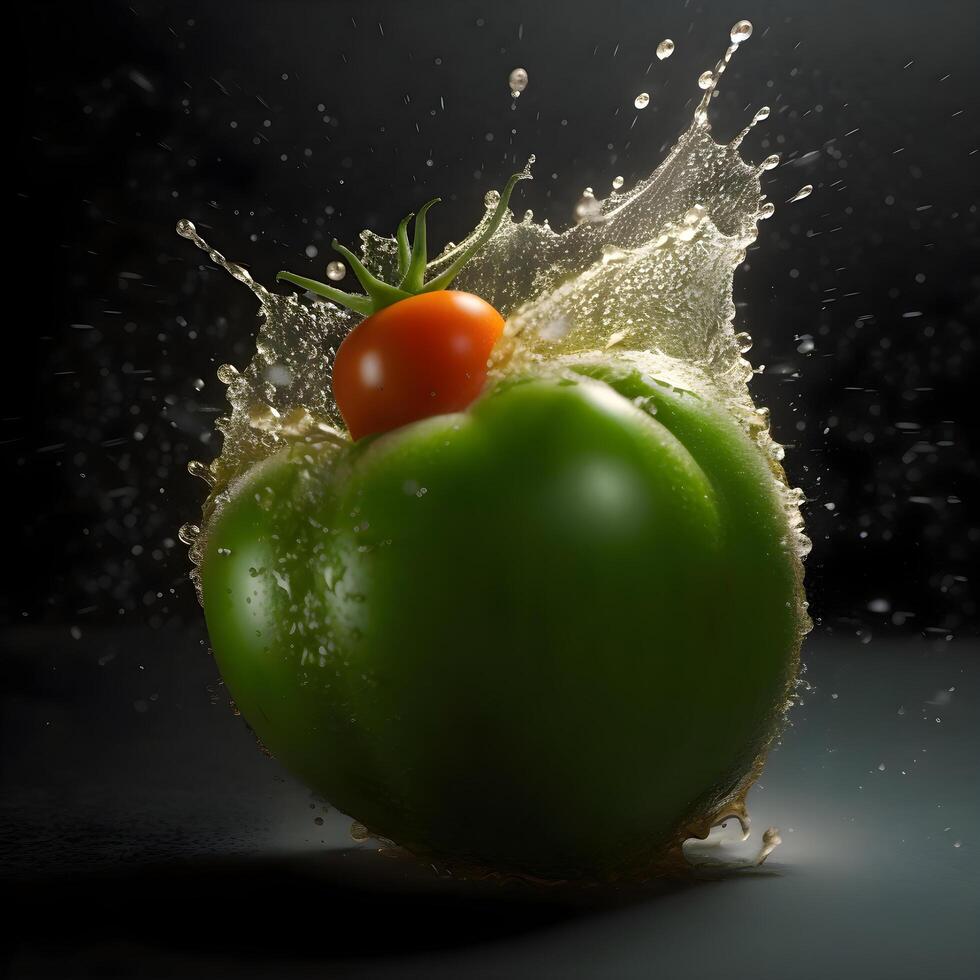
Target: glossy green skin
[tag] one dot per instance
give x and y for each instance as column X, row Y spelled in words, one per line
column 543, row 635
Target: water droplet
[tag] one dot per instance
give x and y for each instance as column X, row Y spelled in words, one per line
column 188, row 533
column 610, row 253
column 741, row 31
column 227, row 373
column 336, row 270
column 264, row 417
column 617, row 183
column 642, row 100
column 771, row 162
column 517, row 81
column 665, row 48
column 242, row 275
column 763, row 113
column 588, row 208
column 706, row 79
column 770, row 841
column 694, row 215
column 358, row 831
column 767, row 211
column 186, row 229
column 202, row 471
column 491, row 199
column 805, row 191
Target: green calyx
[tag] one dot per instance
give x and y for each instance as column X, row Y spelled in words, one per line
column 412, row 261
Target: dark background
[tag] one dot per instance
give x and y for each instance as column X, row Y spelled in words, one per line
column 276, row 126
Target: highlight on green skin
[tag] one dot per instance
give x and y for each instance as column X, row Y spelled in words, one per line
column 412, row 260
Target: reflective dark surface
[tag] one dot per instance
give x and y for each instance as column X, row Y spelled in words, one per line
column 148, row 836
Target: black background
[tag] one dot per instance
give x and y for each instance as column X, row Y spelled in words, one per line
column 135, row 812
column 137, row 114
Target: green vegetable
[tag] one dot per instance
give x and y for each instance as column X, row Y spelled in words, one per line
column 547, row 635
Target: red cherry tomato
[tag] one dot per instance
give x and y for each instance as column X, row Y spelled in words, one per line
column 424, row 355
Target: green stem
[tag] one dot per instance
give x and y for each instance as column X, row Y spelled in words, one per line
column 380, row 292
column 415, row 276
column 449, row 274
column 359, row 304
column 412, row 262
column 404, row 250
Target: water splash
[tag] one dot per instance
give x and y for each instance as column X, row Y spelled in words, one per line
column 185, row 228
column 805, row 191
column 700, row 857
column 517, row 80
column 645, row 274
column 643, row 278
column 741, row 31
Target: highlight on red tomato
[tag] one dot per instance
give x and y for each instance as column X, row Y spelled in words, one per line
column 426, row 355
column 422, row 349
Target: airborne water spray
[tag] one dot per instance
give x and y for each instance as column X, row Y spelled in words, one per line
column 643, row 279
